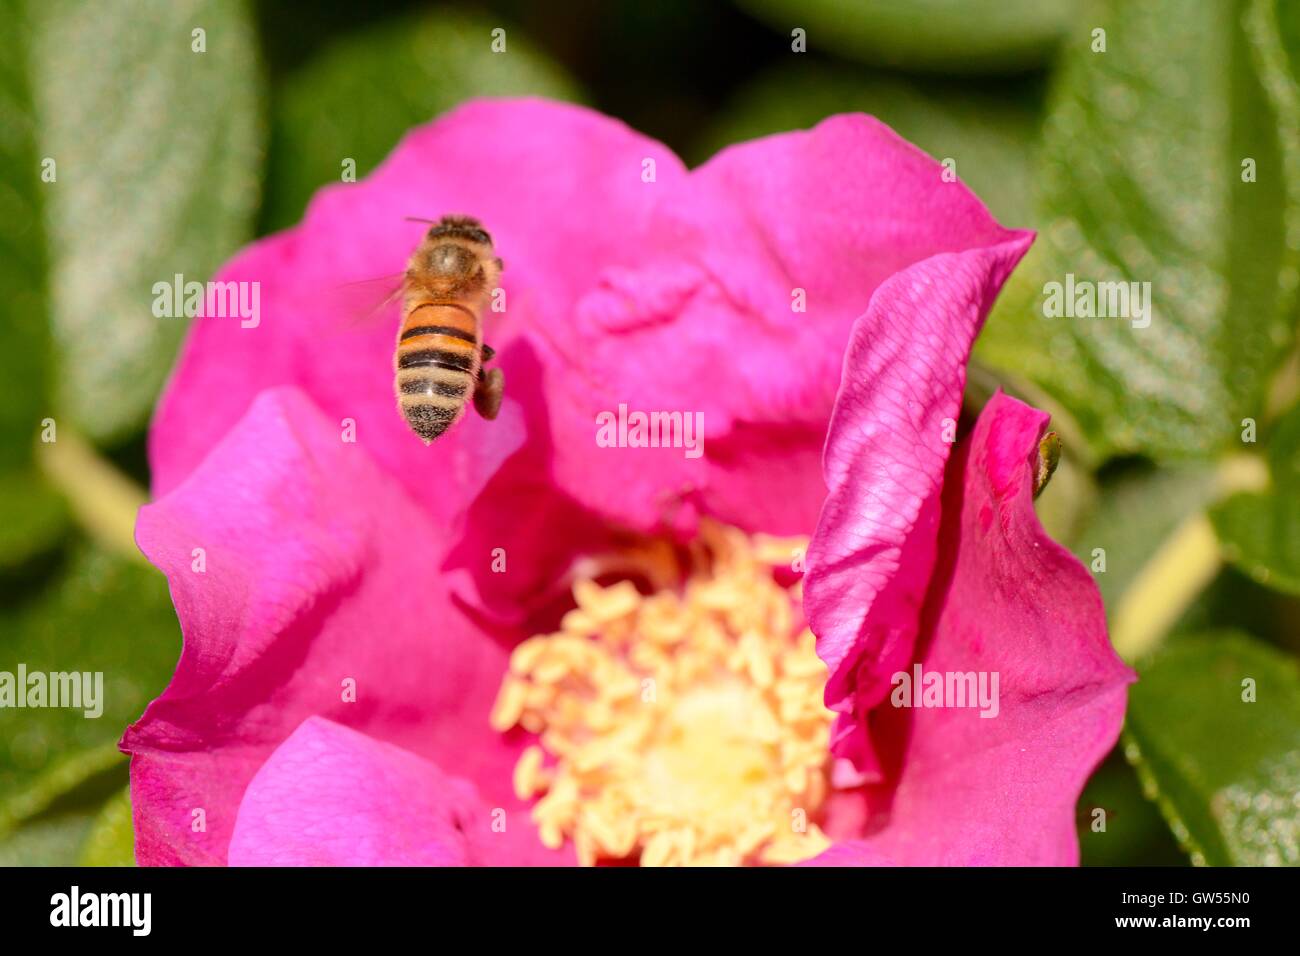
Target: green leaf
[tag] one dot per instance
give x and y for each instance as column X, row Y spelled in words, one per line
column 1261, row 535
column 24, row 329
column 356, row 100
column 99, row 614
column 948, row 36
column 1134, row 833
column 157, row 149
column 111, row 840
column 1142, row 181
column 1225, row 772
column 1260, row 532
column 990, row 134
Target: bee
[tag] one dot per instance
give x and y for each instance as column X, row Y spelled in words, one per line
column 440, row 351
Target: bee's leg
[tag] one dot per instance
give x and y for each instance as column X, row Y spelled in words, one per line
column 487, row 394
column 488, row 352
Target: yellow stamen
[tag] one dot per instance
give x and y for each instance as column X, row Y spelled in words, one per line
column 685, row 727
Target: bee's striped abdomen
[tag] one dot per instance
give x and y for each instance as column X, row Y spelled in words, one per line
column 437, row 365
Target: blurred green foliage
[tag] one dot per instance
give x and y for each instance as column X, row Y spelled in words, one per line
column 86, row 611
column 943, row 36
column 1129, row 831
column 111, row 838
column 25, row 355
column 1233, row 801
column 1143, row 505
column 1127, row 160
column 33, row 518
column 159, row 149
column 1261, row 532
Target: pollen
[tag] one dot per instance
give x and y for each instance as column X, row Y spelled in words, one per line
column 680, row 727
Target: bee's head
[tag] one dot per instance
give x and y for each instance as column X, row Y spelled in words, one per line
column 460, row 227
column 455, row 258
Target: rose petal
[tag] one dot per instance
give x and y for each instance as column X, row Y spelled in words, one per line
column 329, row 796
column 319, row 575
column 849, row 854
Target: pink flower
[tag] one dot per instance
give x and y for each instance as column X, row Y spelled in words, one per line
column 350, row 618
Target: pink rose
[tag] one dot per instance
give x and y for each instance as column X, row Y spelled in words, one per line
column 378, row 665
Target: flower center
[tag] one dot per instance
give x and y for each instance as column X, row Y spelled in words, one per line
column 682, row 727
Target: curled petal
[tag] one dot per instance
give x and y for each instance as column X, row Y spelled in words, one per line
column 1005, row 602
column 895, row 416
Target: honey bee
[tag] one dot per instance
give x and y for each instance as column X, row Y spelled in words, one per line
column 440, row 351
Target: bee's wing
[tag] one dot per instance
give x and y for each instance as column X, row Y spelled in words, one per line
column 364, row 300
